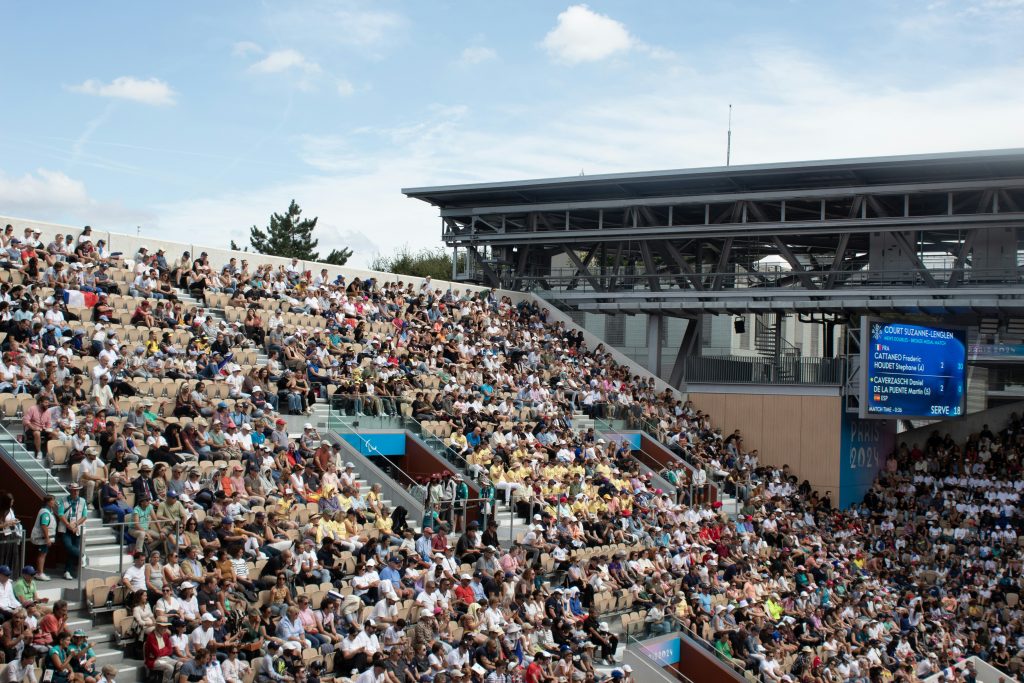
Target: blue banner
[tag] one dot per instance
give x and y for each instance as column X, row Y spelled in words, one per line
column 665, row 653
column 864, row 447
column 632, row 438
column 383, row 443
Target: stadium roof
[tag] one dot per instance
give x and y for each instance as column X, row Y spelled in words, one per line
column 834, row 173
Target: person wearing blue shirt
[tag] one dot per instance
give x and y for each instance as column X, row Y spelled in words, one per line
column 290, row 627
column 478, row 587
column 392, row 573
column 423, row 547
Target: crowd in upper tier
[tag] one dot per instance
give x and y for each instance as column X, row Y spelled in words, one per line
column 260, row 555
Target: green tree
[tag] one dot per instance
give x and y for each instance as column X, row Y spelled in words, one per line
column 437, row 263
column 291, row 236
column 338, row 257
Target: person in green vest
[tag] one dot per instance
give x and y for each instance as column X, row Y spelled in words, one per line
column 44, row 530
column 486, row 500
column 71, row 517
column 459, row 502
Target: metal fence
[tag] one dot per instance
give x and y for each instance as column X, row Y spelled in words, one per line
column 12, row 552
column 757, row 370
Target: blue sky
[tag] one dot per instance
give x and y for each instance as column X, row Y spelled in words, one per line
column 201, row 118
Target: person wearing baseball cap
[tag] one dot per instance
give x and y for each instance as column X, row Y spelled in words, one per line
column 25, row 587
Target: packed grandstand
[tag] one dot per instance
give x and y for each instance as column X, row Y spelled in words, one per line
column 258, row 554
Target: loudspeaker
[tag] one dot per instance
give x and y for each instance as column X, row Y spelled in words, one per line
column 740, row 325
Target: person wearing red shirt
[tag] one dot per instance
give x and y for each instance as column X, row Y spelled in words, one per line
column 53, row 623
column 535, row 672
column 158, row 651
column 439, row 543
column 37, row 424
column 464, row 592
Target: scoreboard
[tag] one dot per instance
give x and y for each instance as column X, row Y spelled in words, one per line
column 912, row 371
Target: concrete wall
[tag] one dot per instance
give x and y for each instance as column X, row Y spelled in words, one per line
column 129, row 244
column 796, row 429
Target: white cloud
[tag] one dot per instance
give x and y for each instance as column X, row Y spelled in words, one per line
column 364, row 27
column 148, row 91
column 354, row 179
column 583, row 35
column 360, row 25
column 345, row 88
column 42, row 186
column 280, row 61
column 245, row 48
column 476, row 54
column 47, row 195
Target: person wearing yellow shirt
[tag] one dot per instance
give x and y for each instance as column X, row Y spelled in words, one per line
column 152, row 344
column 375, row 502
column 316, row 528
column 348, row 533
column 458, row 441
column 773, row 607
column 479, row 459
column 385, row 525
column 580, row 508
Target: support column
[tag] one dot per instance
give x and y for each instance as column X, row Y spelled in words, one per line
column 690, row 345
column 655, row 325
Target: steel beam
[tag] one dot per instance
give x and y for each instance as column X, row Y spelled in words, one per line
column 690, row 345
column 915, row 258
column 587, row 258
column 837, row 262
column 645, row 253
column 961, row 259
column 655, row 325
column 772, row 195
column 520, row 265
column 723, row 262
column 826, row 227
column 582, row 269
column 798, row 268
column 492, row 277
column 694, row 278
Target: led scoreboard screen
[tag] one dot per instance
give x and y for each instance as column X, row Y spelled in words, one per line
column 913, row 370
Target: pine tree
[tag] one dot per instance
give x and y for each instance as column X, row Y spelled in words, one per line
column 288, row 235
column 338, row 257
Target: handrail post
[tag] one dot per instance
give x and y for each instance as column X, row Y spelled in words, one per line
column 81, row 557
column 120, row 547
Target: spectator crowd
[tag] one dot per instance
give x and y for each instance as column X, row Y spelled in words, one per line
column 259, row 556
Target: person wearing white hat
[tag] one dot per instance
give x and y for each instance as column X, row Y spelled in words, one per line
column 72, row 513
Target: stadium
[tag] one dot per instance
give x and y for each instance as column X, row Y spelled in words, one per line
column 230, row 464
column 599, row 342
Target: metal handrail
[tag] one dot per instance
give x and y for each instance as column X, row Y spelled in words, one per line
column 709, row 646
column 652, row 431
column 648, row 665
column 51, row 486
column 441, row 449
column 601, row 426
column 557, row 280
column 408, row 483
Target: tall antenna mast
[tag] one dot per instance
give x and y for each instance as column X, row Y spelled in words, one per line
column 728, row 139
